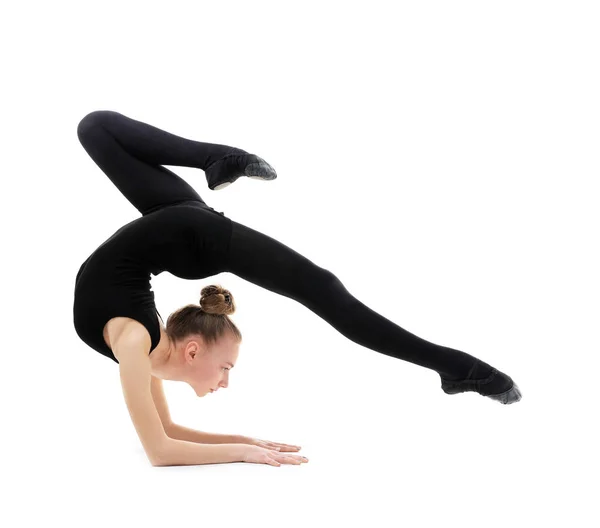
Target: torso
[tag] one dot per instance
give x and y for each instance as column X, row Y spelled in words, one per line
column 114, row 327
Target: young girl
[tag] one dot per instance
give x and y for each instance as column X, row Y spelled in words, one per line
column 114, row 311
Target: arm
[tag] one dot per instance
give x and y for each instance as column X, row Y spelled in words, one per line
column 179, row 432
column 134, row 367
column 134, row 371
column 160, row 402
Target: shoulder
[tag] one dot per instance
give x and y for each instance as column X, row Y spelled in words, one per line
column 131, row 335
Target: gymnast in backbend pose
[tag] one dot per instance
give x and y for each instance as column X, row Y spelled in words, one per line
column 114, row 311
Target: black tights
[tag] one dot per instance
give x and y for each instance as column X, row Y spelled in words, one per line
column 274, row 266
column 131, row 153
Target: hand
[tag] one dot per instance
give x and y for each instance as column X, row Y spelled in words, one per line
column 262, row 455
column 269, row 445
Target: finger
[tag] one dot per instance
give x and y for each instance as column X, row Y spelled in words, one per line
column 285, row 447
column 278, row 443
column 271, row 445
column 286, row 459
column 290, row 460
column 298, row 459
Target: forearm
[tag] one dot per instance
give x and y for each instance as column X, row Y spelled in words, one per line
column 183, row 453
column 180, row 432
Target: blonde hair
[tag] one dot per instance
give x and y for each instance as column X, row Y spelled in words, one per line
column 209, row 318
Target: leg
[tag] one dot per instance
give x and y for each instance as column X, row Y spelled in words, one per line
column 131, row 153
column 274, row 266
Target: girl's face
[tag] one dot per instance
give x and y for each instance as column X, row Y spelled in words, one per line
column 208, row 366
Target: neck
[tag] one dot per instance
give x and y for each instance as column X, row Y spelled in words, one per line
column 165, row 362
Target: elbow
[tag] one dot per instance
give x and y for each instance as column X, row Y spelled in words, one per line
column 159, row 460
column 158, row 463
column 159, row 456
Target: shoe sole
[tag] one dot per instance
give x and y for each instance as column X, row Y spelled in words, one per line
column 222, row 186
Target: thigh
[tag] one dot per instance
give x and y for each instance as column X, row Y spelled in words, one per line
column 147, row 186
column 270, row 264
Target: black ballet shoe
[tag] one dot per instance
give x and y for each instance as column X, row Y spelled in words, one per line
column 497, row 386
column 236, row 163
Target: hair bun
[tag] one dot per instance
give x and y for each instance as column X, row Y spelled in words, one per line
column 215, row 299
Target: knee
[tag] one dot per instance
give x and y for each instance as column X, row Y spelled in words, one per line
column 93, row 120
column 326, row 283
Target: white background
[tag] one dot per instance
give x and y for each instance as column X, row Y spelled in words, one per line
column 441, row 158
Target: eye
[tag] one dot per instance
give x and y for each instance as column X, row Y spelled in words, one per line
column 225, row 368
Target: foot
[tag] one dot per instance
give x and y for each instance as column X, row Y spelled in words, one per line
column 497, row 385
column 236, row 163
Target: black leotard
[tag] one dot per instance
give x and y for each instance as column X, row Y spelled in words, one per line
column 189, row 240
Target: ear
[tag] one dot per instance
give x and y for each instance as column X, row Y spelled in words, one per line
column 193, row 350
